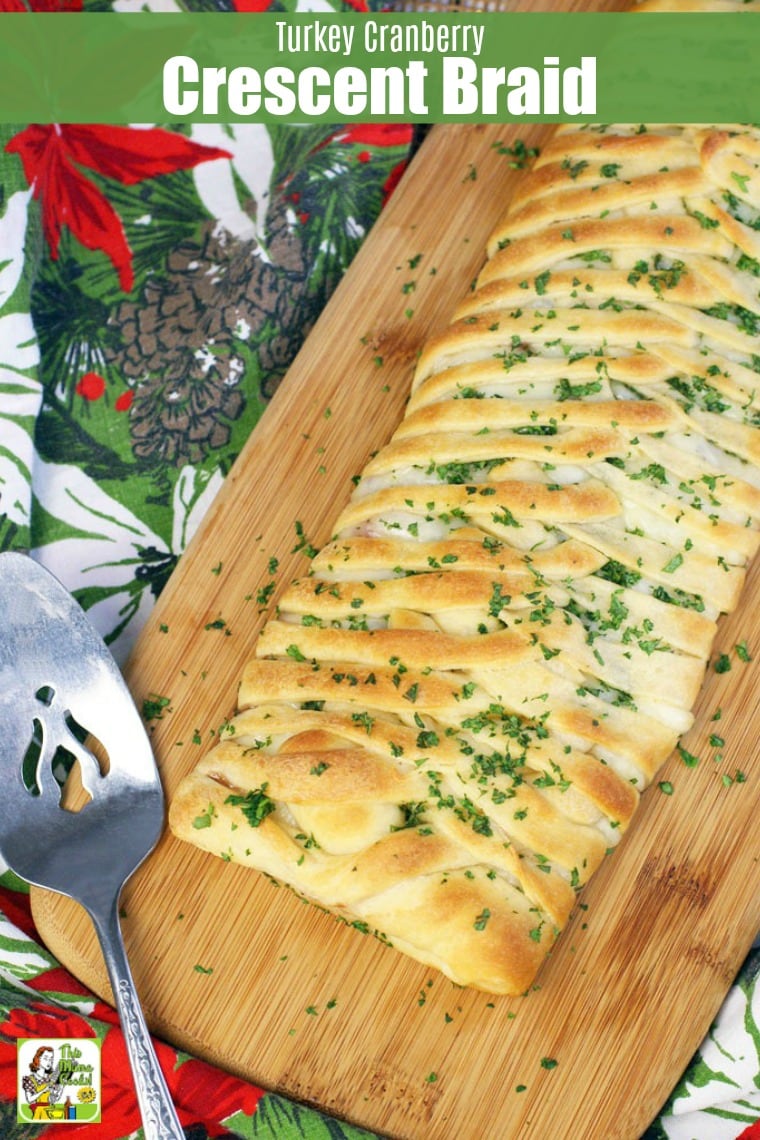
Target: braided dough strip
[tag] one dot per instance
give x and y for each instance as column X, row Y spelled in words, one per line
column 452, row 717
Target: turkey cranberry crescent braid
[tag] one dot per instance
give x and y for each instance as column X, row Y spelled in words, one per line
column 452, row 716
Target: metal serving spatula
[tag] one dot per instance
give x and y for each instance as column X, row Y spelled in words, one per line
column 67, row 717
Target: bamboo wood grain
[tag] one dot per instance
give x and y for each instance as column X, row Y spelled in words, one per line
column 287, row 995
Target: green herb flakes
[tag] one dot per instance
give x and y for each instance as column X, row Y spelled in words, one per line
column 742, row 652
column 218, row 623
column 205, row 818
column 519, row 153
column 481, row 921
column 154, row 707
column 689, row 759
column 255, row 805
column 675, row 562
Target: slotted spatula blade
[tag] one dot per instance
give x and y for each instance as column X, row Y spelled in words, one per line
column 66, row 713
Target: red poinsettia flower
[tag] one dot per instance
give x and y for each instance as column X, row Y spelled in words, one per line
column 58, row 980
column 201, row 1093
column 15, row 906
column 41, row 5
column 751, row 1133
column 211, row 1096
column 376, row 134
column 52, row 154
column 393, row 180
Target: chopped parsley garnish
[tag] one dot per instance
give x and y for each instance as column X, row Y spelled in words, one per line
column 671, row 566
column 205, row 818
column 620, row 575
column 564, row 390
column 413, row 815
column 498, row 600
column 574, row 168
column 742, row 652
column 264, row 595
column 689, row 759
column 255, row 805
column 541, row 281
column 518, row 152
column 154, row 706
column 217, row 623
column 303, row 543
column 504, row 517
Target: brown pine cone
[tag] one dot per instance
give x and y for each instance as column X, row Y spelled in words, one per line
column 178, row 341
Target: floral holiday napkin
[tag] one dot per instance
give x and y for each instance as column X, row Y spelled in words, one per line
column 155, row 284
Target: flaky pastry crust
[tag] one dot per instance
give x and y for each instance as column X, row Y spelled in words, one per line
column 452, row 716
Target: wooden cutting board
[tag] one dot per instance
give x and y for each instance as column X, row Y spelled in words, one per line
column 239, row 971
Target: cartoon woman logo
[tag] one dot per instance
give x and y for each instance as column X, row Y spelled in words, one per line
column 42, row 1085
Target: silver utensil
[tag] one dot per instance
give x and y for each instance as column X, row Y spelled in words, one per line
column 64, row 705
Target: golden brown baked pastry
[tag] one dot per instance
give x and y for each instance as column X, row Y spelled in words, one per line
column 452, row 717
